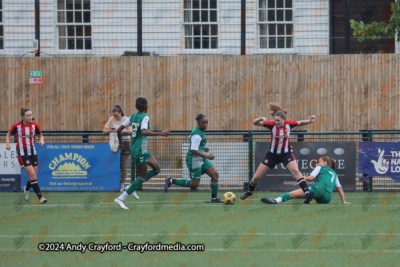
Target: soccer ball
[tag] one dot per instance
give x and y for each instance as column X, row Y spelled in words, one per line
column 229, row 198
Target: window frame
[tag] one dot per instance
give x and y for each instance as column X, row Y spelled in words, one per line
column 74, row 24
column 276, row 50
column 208, row 22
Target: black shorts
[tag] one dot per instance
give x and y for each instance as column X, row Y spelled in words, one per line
column 271, row 159
column 26, row 161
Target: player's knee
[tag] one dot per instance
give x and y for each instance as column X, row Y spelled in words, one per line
column 215, row 177
column 194, row 184
column 157, row 171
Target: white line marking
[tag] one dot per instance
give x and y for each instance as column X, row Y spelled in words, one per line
column 202, row 234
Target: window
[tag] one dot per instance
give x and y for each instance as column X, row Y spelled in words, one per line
column 200, row 24
column 74, row 29
column 1, row 26
column 275, row 24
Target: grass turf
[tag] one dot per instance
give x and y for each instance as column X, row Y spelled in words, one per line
column 248, row 233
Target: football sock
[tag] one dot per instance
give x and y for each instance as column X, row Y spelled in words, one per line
column 283, row 198
column 303, row 185
column 151, row 174
column 28, row 185
column 123, row 196
column 36, row 188
column 252, row 187
column 214, row 189
column 136, row 184
column 181, row 182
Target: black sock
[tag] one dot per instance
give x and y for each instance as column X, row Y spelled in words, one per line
column 36, row 187
column 28, row 186
column 252, row 187
column 303, row 185
column 213, row 195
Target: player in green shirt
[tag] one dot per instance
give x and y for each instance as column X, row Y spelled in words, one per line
column 141, row 129
column 198, row 162
column 326, row 181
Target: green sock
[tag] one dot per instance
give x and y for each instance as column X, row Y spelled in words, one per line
column 137, row 183
column 285, row 197
column 214, row 189
column 182, row 182
column 151, row 174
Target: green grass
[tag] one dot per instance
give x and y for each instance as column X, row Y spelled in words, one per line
column 248, row 233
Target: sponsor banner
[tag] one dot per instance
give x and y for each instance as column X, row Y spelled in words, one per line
column 10, row 170
column 77, row 167
column 380, row 159
column 307, row 154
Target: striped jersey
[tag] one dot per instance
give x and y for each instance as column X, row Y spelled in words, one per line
column 280, row 136
column 25, row 135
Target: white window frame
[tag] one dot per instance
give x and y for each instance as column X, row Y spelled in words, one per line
column 66, row 24
column 258, row 23
column 193, row 51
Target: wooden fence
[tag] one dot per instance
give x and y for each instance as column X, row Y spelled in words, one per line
column 346, row 92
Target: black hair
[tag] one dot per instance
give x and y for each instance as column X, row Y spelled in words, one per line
column 141, row 104
column 23, row 111
column 200, row 116
column 118, row 109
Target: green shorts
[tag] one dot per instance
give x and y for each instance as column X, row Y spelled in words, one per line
column 141, row 158
column 321, row 194
column 195, row 174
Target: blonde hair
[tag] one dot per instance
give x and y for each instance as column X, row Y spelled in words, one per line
column 277, row 110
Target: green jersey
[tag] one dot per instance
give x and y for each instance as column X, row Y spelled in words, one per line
column 138, row 121
column 326, row 178
column 197, row 142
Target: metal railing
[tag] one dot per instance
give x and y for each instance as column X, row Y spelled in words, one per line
column 235, row 154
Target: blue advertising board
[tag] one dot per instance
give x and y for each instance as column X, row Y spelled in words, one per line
column 380, row 159
column 77, row 167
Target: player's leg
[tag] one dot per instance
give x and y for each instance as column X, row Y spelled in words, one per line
column 194, row 181
column 32, row 180
column 212, row 172
column 294, row 169
column 155, row 168
column 142, row 173
column 284, row 197
column 260, row 172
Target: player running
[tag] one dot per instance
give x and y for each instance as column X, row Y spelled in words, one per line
column 198, row 162
column 141, row 129
column 326, row 180
column 25, row 132
column 280, row 150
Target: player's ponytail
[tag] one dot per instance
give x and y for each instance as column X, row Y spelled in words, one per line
column 277, row 110
column 141, row 104
column 23, row 111
column 118, row 109
column 331, row 163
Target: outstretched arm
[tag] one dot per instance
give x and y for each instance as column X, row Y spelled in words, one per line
column 259, row 121
column 341, row 193
column 305, row 122
column 150, row 133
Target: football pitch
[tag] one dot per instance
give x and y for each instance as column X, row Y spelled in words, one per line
column 249, row 233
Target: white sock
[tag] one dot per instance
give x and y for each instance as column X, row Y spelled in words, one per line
column 278, row 199
column 123, row 196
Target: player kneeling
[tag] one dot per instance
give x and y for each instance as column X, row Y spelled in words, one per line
column 326, row 181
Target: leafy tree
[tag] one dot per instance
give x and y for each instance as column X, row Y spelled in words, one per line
column 377, row 30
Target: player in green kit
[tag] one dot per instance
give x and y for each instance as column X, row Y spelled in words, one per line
column 141, row 129
column 326, row 181
column 198, row 162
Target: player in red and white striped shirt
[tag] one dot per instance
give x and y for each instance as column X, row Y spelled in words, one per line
column 280, row 150
column 25, row 132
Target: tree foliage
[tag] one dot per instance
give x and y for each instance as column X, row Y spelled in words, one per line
column 377, row 30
